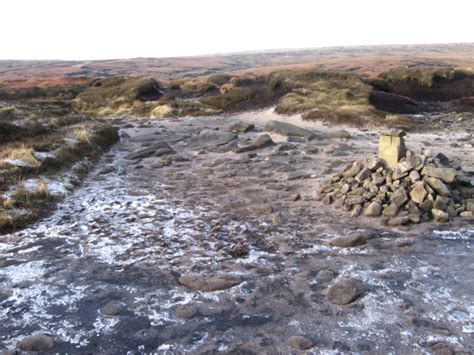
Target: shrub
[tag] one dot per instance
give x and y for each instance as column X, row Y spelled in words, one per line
column 219, row 79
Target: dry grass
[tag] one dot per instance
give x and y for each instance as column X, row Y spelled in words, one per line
column 23, row 154
column 82, row 136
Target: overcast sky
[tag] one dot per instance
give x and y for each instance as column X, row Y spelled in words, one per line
column 104, row 29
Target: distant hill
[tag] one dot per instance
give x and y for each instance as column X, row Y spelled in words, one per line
column 361, row 59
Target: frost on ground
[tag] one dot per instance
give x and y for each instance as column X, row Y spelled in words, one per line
column 124, row 238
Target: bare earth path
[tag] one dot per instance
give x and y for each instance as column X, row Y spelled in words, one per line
column 104, row 274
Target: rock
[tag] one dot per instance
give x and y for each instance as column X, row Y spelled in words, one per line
column 438, row 186
column 398, row 221
column 353, row 170
column 140, row 154
column 445, row 174
column 373, row 210
column 210, row 137
column 355, row 200
column 416, row 161
column 205, row 283
column 342, row 133
column 356, row 211
column 348, row 241
column 363, row 174
column 468, row 168
column 241, row 127
column 399, row 197
column 288, row 129
column 262, row 141
column 344, row 292
column 439, row 216
column 112, row 308
column 185, row 312
column 390, row 211
column 418, row 193
column 374, row 163
column 327, row 200
column 441, row 203
column 391, row 148
column 36, row 343
column 467, row 215
column 443, row 159
column 414, row 176
column 470, row 205
column 427, row 205
column 299, row 342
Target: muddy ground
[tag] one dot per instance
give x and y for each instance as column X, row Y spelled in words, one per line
column 104, row 274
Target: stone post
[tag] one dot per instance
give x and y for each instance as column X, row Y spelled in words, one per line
column 392, row 148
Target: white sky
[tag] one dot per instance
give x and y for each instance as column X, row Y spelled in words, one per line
column 104, row 29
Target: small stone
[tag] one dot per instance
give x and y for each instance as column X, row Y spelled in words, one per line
column 439, row 216
column 470, row 205
column 438, row 186
column 353, row 170
column 355, row 200
column 36, row 343
column 418, row 193
column 112, row 308
column 399, row 197
column 363, row 174
column 240, row 127
column 398, row 221
column 390, row 211
column 344, row 292
column 414, row 175
column 427, row 205
column 299, row 342
column 467, row 215
column 441, row 203
column 327, row 200
column 356, row 211
column 374, row 164
column 373, row 210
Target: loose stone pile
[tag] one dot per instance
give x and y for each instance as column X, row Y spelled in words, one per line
column 419, row 188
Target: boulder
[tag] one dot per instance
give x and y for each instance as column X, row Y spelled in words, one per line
column 209, row 138
column 288, row 129
column 445, row 174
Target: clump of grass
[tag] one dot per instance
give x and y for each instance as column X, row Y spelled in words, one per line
column 23, row 154
column 82, row 136
column 424, row 76
column 161, row 111
column 42, row 189
column 219, row 79
column 7, row 203
column 229, row 99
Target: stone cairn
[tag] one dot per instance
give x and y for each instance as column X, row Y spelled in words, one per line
column 401, row 185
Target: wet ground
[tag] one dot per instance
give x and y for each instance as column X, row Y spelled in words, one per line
column 104, row 274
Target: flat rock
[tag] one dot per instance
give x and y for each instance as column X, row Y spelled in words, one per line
column 210, row 137
column 344, row 292
column 348, row 241
column 241, row 127
column 288, row 129
column 262, row 141
column 36, row 343
column 207, row 283
column 445, row 174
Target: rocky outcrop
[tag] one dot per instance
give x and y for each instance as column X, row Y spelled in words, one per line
column 419, row 188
